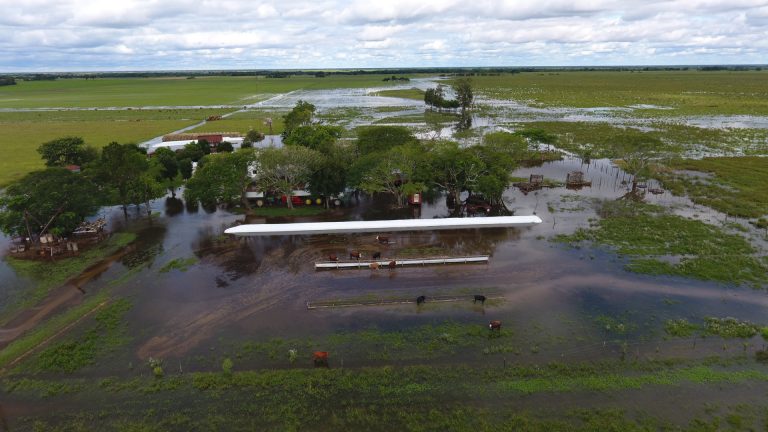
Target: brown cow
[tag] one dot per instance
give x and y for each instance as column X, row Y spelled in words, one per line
column 382, row 239
column 355, row 255
column 320, row 358
column 495, row 325
column 392, row 264
column 333, row 257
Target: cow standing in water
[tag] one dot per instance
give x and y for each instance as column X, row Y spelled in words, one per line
column 376, row 255
column 355, row 255
column 333, row 257
column 320, row 358
column 382, row 239
column 392, row 265
column 420, row 300
column 479, row 298
column 495, row 325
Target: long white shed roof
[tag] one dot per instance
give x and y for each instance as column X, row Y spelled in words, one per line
column 383, row 225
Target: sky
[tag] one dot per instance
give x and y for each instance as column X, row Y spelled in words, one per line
column 115, row 35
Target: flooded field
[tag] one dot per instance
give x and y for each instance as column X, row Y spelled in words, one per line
column 198, row 297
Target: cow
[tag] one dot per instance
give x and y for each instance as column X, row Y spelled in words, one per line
column 320, row 358
column 374, row 266
column 333, row 257
column 382, row 239
column 420, row 300
column 495, row 325
column 376, row 255
column 355, row 255
column 479, row 298
column 392, row 264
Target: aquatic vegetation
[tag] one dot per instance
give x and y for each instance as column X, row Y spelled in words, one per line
column 180, row 264
column 657, row 242
column 730, row 327
column 680, row 327
column 737, row 186
column 106, row 334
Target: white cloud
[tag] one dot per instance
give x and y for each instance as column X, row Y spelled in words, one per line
column 174, row 34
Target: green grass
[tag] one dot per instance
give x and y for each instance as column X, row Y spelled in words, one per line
column 738, row 185
column 686, row 92
column 47, row 275
column 412, row 93
column 107, row 333
column 378, row 398
column 139, row 92
column 49, row 328
column 661, row 243
column 724, row 327
column 25, row 131
column 180, row 264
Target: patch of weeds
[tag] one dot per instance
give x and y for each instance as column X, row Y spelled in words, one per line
column 181, row 264
column 680, row 328
column 730, row 327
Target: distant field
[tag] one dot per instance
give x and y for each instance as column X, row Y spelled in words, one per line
column 138, row 92
column 412, row 93
column 244, row 121
column 24, row 132
column 687, row 92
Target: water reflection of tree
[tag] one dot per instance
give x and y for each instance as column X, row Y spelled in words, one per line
column 464, row 123
column 148, row 246
column 173, row 206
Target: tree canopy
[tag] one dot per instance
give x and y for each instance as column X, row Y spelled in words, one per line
column 66, row 151
column 373, row 139
column 317, row 137
column 300, row 115
column 284, row 169
column 51, row 200
column 222, row 179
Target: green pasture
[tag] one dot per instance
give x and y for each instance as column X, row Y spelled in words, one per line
column 411, row 93
column 685, row 92
column 175, row 91
column 245, row 121
column 23, row 132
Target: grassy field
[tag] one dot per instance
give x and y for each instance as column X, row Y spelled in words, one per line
column 739, row 186
column 244, row 121
column 138, row 92
column 24, row 132
column 685, row 92
column 660, row 243
column 412, row 93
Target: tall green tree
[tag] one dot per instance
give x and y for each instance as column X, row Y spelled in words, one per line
column 168, row 172
column 223, row 179
column 51, row 200
column 66, row 151
column 454, row 169
column 300, row 115
column 284, row 169
column 331, row 176
column 464, row 94
column 317, row 137
column 394, row 173
column 120, row 166
column 374, row 139
column 635, row 153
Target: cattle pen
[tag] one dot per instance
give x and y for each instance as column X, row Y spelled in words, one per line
column 345, row 303
column 375, row 264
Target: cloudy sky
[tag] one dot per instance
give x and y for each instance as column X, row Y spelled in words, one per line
column 79, row 35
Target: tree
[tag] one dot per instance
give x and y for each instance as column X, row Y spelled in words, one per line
column 252, row 137
column 373, row 139
column 225, row 146
column 317, row 137
column 191, row 151
column 66, row 151
column 454, row 169
column 394, row 173
column 185, row 168
column 331, row 176
column 51, row 200
column 145, row 188
column 223, row 179
column 284, row 169
column 464, row 95
column 169, row 168
column 300, row 115
column 499, row 159
column 120, row 166
column 636, row 152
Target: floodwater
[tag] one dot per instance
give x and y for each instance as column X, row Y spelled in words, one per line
column 555, row 300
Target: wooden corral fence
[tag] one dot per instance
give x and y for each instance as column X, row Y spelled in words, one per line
column 535, row 182
column 393, row 263
column 343, row 303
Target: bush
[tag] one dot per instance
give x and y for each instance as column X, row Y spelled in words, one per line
column 227, row 366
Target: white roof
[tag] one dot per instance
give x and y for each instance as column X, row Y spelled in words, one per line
column 383, row 225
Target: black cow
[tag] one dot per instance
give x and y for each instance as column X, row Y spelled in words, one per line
column 420, row 300
column 479, row 298
column 376, row 255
